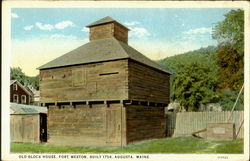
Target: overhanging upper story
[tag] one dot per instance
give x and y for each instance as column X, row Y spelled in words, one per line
column 104, row 69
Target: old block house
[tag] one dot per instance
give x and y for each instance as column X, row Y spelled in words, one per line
column 104, row 93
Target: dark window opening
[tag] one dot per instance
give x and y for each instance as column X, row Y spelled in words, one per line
column 96, row 102
column 113, row 101
column 49, row 104
column 63, row 103
column 15, row 98
column 101, row 74
column 15, row 87
column 23, row 99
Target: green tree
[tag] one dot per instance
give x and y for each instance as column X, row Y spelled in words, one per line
column 230, row 54
column 16, row 73
column 195, row 84
column 178, row 62
column 228, row 98
column 34, row 81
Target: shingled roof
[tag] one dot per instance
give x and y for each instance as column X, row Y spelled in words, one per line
column 98, row 51
column 104, row 20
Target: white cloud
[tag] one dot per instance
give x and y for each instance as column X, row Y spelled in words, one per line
column 61, row 36
column 85, row 29
column 64, row 24
column 29, row 27
column 132, row 23
column 138, row 32
column 202, row 30
column 44, row 26
column 197, row 35
column 14, row 15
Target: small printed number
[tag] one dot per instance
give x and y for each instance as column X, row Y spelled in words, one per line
column 222, row 157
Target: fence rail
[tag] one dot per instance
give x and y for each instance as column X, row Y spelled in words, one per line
column 184, row 123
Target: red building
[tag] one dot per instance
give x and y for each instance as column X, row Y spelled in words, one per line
column 19, row 94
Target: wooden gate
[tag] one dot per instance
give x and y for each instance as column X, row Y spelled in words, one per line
column 25, row 128
column 113, row 126
column 16, row 129
column 29, row 130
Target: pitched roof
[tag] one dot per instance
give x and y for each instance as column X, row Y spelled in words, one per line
column 26, row 109
column 22, row 86
column 104, row 20
column 12, row 81
column 101, row 50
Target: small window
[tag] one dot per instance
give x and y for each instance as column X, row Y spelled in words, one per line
column 14, row 87
column 112, row 73
column 15, row 98
column 23, row 98
column 78, row 77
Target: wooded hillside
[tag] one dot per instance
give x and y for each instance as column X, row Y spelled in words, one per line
column 196, row 75
column 212, row 74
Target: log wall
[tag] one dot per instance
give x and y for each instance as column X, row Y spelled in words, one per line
column 104, row 124
column 109, row 30
column 79, row 125
column 145, row 122
column 101, row 32
column 99, row 81
column 146, row 84
column 120, row 33
column 85, row 125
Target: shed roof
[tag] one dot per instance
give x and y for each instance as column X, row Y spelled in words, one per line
column 101, row 50
column 26, row 109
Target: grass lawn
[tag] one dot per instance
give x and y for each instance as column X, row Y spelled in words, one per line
column 166, row 145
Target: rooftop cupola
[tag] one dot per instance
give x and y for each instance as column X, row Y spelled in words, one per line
column 107, row 27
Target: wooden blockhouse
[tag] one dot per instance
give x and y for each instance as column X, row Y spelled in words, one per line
column 104, row 93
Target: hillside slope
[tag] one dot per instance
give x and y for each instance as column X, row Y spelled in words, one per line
column 203, row 56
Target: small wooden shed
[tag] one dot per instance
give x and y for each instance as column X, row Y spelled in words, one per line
column 104, row 93
column 28, row 124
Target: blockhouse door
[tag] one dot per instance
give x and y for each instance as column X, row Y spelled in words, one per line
column 43, row 127
column 113, row 126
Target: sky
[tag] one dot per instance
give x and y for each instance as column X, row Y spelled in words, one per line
column 39, row 35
